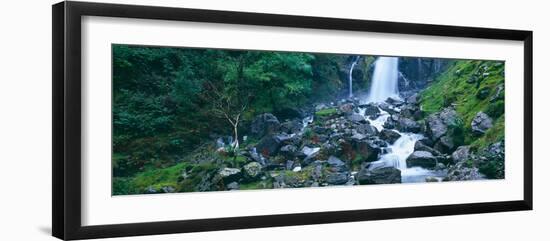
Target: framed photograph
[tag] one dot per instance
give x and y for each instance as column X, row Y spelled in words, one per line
column 170, row 120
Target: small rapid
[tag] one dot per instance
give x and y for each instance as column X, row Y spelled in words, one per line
column 395, row 155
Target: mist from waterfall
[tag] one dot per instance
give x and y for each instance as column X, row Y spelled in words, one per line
column 384, row 80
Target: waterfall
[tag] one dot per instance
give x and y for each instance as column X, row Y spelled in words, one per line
column 384, row 80
column 351, row 76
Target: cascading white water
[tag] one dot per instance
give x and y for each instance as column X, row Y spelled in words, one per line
column 384, row 80
column 396, row 154
column 351, row 76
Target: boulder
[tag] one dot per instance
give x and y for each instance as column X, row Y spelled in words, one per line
column 357, row 118
column 408, row 125
column 421, row 159
column 347, row 108
column 264, row 124
column 384, row 175
column 394, row 101
column 462, row 153
column 365, row 148
column 337, row 178
column 229, row 175
column 411, row 111
column 269, row 145
column 437, row 124
column 389, row 135
column 366, row 129
column 481, row 123
column 435, row 127
column 335, row 161
column 371, row 110
column 445, row 144
column 420, row 146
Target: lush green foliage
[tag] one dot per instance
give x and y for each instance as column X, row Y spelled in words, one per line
column 462, row 85
column 166, row 101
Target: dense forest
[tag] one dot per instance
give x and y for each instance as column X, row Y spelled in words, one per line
column 189, row 119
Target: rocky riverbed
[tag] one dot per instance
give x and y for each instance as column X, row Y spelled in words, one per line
column 349, row 143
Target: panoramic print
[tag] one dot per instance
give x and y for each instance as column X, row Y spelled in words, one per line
column 199, row 119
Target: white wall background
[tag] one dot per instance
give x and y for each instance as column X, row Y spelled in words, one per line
column 25, row 119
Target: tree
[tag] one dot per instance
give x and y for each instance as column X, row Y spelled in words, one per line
column 231, row 97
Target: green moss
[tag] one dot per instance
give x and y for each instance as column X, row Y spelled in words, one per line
column 458, row 86
column 158, row 178
column 328, row 112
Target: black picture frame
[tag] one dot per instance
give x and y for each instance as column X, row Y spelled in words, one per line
column 66, row 47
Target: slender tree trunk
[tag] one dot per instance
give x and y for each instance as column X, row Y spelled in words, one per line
column 236, row 136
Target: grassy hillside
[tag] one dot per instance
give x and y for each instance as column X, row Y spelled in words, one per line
column 471, row 86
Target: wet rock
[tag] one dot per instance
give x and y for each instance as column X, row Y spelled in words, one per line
column 445, row 144
column 462, row 153
column 366, row 129
column 481, row 123
column 389, row 135
column 421, row 146
column 394, row 101
column 337, row 178
column 371, row 110
column 387, row 108
column 384, row 175
column 264, row 124
column 229, row 175
column 421, row 159
column 408, row 125
column 357, row 118
column 347, row 108
column 335, row 161
column 310, row 154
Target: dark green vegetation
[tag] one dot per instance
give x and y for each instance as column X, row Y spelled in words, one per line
column 180, row 118
column 168, row 101
column 470, row 87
